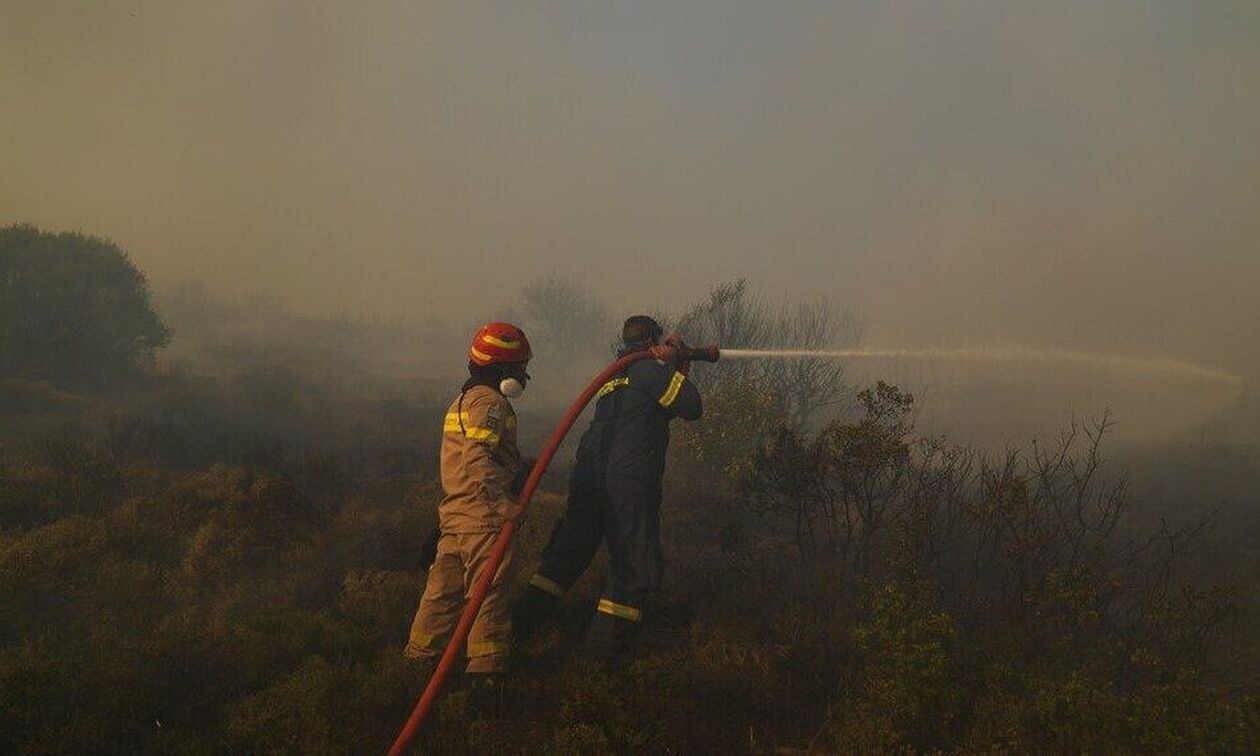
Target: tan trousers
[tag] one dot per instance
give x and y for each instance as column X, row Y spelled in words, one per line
column 460, row 557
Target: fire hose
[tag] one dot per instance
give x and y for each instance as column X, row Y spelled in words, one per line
column 427, row 699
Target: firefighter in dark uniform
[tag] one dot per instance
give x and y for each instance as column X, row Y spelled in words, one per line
column 615, row 495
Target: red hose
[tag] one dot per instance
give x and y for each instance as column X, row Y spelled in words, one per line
column 423, row 706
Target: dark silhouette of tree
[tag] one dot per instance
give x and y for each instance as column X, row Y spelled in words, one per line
column 73, row 309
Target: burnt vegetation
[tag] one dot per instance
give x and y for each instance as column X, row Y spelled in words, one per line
column 219, row 553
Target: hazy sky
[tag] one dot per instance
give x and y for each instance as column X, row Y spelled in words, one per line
column 1080, row 174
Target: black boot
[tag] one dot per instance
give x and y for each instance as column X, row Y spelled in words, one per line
column 610, row 637
column 532, row 610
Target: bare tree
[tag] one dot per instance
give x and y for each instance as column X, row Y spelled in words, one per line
column 560, row 317
column 735, row 317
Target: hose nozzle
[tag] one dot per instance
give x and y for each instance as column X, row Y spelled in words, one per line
column 708, row 353
column 672, row 353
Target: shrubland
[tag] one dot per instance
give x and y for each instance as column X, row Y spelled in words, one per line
column 226, row 562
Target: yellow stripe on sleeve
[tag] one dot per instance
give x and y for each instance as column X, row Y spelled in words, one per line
column 474, row 432
column 671, row 393
column 452, row 423
column 481, row 434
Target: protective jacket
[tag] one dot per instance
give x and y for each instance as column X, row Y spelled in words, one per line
column 630, row 431
column 480, row 459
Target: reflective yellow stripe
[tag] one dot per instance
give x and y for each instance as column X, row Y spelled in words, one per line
column 547, row 584
column 487, row 648
column 496, row 341
column 612, row 386
column 422, row 642
column 474, row 432
column 631, row 613
column 479, row 354
column 671, row 393
column 481, row 434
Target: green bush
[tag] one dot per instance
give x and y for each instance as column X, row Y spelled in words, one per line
column 73, row 309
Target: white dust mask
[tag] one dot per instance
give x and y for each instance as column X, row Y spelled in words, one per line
column 511, row 387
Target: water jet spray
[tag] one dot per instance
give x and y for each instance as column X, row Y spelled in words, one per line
column 1001, row 354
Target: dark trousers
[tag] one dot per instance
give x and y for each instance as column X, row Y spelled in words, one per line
column 624, row 512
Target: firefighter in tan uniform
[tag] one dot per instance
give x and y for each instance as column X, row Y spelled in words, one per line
column 481, row 467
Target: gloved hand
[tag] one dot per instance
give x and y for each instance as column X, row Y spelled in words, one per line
column 681, row 363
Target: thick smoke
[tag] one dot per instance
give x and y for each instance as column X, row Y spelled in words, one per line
column 1076, row 176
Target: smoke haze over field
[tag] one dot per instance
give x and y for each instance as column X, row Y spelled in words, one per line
column 1080, row 175
column 984, row 432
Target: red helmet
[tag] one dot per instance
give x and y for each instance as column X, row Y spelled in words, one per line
column 497, row 343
